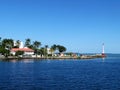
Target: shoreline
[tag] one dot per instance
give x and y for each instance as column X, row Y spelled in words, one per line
column 54, row 58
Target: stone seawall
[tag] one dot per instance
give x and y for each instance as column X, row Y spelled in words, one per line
column 63, row 57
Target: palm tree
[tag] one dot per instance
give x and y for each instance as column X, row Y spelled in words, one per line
column 27, row 42
column 41, row 51
column 18, row 43
column 53, row 48
column 46, row 46
column 52, row 51
column 46, row 50
column 36, row 45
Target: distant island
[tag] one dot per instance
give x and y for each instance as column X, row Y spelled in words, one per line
column 11, row 49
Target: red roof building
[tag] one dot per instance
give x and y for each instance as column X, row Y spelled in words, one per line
column 27, row 51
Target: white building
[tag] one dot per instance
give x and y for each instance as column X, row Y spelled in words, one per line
column 49, row 51
column 21, row 45
column 26, row 50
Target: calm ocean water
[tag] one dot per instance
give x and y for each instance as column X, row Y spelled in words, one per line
column 93, row 74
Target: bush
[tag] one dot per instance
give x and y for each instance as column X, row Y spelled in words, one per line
column 19, row 53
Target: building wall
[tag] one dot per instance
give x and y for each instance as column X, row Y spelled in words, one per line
column 21, row 45
column 25, row 53
column 12, row 53
column 48, row 51
column 28, row 53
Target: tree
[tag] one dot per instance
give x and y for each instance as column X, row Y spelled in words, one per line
column 46, row 49
column 41, row 51
column 17, row 44
column 61, row 48
column 52, row 51
column 46, row 46
column 27, row 42
column 31, row 46
column 53, row 48
column 36, row 45
column 7, row 43
column 2, row 49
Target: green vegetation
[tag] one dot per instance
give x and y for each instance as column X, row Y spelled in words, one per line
column 4, row 51
column 7, row 44
column 61, row 48
column 19, row 53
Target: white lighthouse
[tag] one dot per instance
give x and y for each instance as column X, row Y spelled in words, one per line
column 103, row 50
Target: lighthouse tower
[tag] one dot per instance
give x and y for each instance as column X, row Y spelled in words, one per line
column 103, row 51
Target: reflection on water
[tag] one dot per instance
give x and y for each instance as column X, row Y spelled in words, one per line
column 28, row 61
column 103, row 59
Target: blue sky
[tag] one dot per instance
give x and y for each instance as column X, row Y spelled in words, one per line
column 80, row 25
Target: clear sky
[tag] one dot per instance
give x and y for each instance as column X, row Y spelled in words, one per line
column 80, row 25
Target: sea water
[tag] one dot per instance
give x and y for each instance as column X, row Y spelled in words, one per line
column 87, row 74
